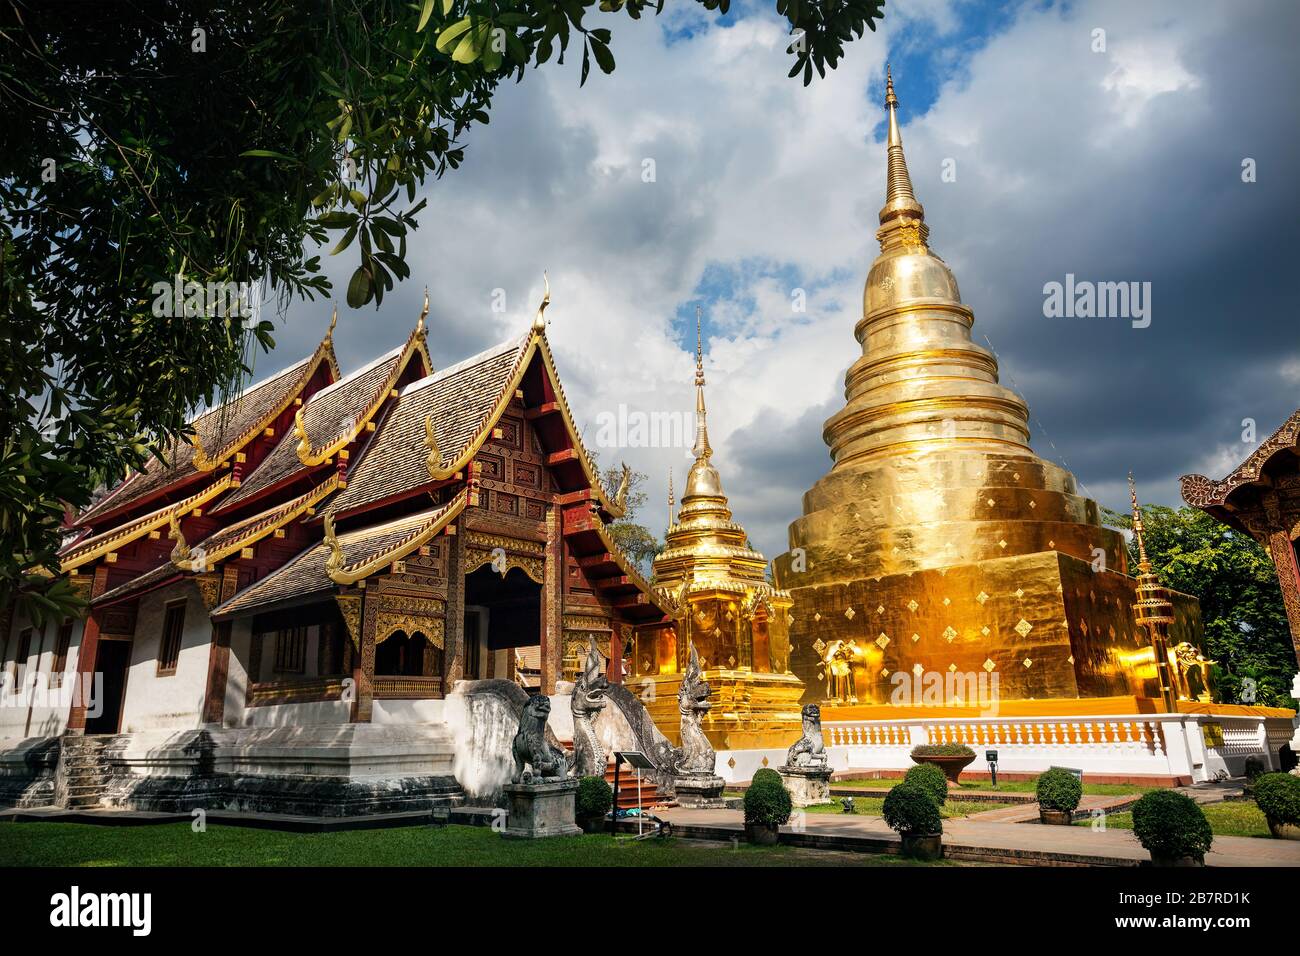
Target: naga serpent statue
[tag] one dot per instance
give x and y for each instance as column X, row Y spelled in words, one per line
column 697, row 756
column 588, row 700
column 809, row 750
column 532, row 753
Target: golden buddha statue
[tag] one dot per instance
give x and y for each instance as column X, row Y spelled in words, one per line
column 938, row 540
column 735, row 619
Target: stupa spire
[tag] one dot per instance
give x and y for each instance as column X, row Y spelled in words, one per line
column 1144, row 563
column 671, row 502
column 900, row 200
column 702, row 448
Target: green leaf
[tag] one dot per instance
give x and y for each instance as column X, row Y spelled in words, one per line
column 359, row 289
column 268, row 154
column 448, row 37
column 425, row 14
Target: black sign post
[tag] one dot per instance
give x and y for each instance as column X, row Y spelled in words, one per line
column 992, row 757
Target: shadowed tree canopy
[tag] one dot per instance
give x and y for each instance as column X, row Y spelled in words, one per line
column 156, row 146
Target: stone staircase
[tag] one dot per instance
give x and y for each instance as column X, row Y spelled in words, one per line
column 82, row 773
column 627, row 788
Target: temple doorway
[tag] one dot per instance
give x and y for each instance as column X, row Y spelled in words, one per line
column 503, row 618
column 112, row 659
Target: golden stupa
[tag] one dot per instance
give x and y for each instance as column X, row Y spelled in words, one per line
column 736, row 620
column 939, row 543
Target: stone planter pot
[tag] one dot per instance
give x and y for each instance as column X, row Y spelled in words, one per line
column 923, row 846
column 1059, row 818
column 1284, row 831
column 762, row 834
column 951, row 766
column 1166, row 860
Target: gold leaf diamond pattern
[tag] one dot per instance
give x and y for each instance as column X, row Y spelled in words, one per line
column 981, row 597
column 819, row 645
column 915, row 638
column 1027, row 662
column 912, row 606
column 1024, row 627
column 848, row 612
column 985, row 630
column 817, row 616
column 989, row 665
column 917, row 669
column 884, row 672
column 882, row 641
column 1003, row 544
column 732, row 763
column 946, row 602
column 1020, row 592
column 880, row 609
column 949, row 634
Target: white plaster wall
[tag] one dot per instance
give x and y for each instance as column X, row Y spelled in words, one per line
column 44, row 713
column 407, row 712
column 292, row 715
column 172, row 701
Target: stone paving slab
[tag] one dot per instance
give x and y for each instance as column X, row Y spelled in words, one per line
column 971, row 839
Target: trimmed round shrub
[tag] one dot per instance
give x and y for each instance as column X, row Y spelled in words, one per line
column 766, row 801
column 942, row 750
column 1058, row 789
column 1278, row 797
column 1171, row 824
column 930, row 779
column 1255, row 768
column 911, row 811
column 594, row 799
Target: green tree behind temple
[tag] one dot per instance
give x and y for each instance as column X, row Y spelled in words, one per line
column 636, row 540
column 1246, row 628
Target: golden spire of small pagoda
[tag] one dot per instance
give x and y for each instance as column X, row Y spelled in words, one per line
column 702, row 449
column 671, row 502
column 1144, row 564
column 899, row 198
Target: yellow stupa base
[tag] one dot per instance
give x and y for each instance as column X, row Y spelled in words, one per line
column 751, row 710
column 1055, row 707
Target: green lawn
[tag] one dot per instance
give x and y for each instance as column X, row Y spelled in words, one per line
column 871, row 807
column 1004, row 786
column 1230, row 818
column 174, row 844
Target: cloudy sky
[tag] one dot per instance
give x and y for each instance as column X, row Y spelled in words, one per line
column 1122, row 165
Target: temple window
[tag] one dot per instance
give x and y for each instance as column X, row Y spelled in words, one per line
column 61, row 652
column 169, row 648
column 291, row 650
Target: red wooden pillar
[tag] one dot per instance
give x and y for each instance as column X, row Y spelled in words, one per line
column 363, row 664
column 86, row 657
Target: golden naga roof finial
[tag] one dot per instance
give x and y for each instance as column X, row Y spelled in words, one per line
column 333, row 563
column 1143, row 563
column 539, row 321
column 702, row 448
column 624, row 484
column 424, row 313
column 304, row 441
column 899, row 198
column 181, row 553
column 334, row 320
column 433, row 461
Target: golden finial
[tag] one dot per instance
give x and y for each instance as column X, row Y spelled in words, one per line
column 702, row 448
column 424, row 312
column 899, row 198
column 334, row 320
column 300, row 432
column 671, row 502
column 539, row 321
column 334, row 562
column 624, row 485
column 1143, row 563
column 180, row 553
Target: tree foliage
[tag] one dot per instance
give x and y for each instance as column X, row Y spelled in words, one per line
column 156, row 142
column 1245, row 622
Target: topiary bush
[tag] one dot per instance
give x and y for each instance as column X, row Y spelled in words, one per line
column 1278, row 797
column 1058, row 789
column 594, row 799
column 766, row 773
column 911, row 811
column 1170, row 824
column 1255, row 768
column 930, row 779
column 766, row 801
column 942, row 750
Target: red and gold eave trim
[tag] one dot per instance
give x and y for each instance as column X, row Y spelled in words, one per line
column 420, row 535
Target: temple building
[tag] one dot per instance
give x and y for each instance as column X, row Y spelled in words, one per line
column 1261, row 498
column 318, row 568
column 727, row 610
column 939, row 542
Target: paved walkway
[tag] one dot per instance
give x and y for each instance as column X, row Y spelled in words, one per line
column 973, row 839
